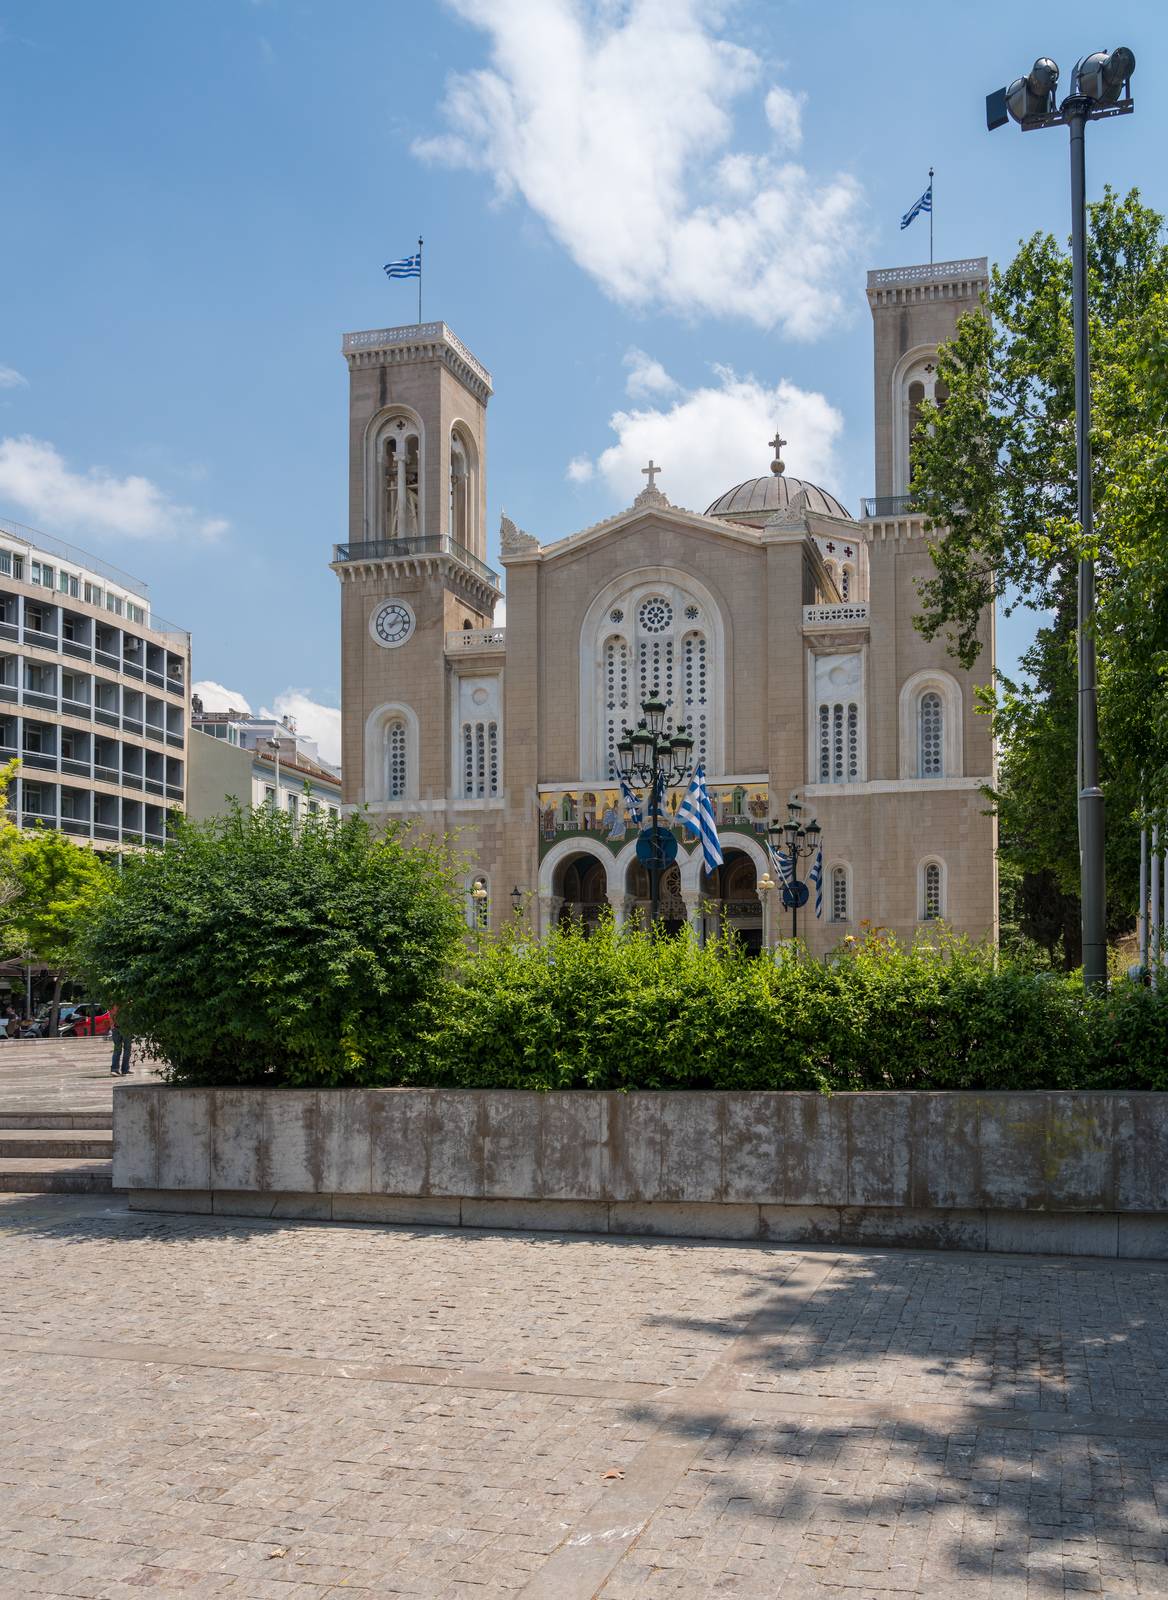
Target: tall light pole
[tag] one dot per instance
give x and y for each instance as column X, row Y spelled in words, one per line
column 791, row 843
column 1100, row 87
column 655, row 757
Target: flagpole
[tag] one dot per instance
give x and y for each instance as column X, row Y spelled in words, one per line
column 420, row 278
column 932, row 203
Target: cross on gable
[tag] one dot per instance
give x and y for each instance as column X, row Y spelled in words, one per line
column 847, row 549
column 830, row 548
column 651, row 472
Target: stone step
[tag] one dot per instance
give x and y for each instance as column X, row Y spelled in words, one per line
column 41, row 1176
column 57, row 1144
column 56, row 1119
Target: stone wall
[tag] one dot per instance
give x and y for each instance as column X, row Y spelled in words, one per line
column 1064, row 1173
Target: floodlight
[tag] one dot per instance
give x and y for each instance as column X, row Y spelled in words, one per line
column 1101, row 76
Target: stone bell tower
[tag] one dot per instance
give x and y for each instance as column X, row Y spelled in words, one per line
column 414, row 567
column 914, row 309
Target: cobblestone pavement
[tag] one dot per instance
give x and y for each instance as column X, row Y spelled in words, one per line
column 206, row 1406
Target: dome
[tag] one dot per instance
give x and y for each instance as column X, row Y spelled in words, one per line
column 761, row 497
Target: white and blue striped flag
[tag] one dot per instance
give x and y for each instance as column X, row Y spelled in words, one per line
column 815, row 876
column 632, row 804
column 781, row 864
column 407, row 267
column 925, row 203
column 697, row 814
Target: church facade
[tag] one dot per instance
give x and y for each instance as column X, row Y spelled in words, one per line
column 776, row 626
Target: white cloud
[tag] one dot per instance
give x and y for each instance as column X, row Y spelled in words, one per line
column 35, row 476
column 646, row 376
column 784, row 112
column 216, row 698
column 499, row 620
column 732, row 418
column 614, row 124
column 579, row 470
column 312, row 719
column 11, row 379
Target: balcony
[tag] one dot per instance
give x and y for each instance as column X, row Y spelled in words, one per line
column 412, row 549
column 847, row 614
column 476, row 641
column 889, row 505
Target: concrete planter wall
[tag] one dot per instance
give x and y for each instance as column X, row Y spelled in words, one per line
column 1068, row 1173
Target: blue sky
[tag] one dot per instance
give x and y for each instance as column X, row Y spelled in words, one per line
column 650, row 212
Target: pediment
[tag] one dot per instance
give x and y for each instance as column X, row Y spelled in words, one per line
column 628, row 524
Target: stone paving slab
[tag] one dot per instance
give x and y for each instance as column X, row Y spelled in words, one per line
column 61, row 1075
column 212, row 1406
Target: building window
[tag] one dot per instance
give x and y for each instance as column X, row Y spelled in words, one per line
column 824, row 744
column 931, row 735
column 467, row 761
column 847, row 582
column 92, row 594
column 269, row 796
column 478, row 907
column 616, row 700
column 480, row 759
column 135, row 613
column 6, row 563
column 395, row 760
column 932, row 892
column 839, row 894
column 113, row 602
column 493, row 759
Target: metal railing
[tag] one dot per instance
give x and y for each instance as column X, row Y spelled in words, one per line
column 406, row 549
column 890, row 505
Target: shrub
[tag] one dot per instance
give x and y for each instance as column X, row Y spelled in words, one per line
column 255, row 951
column 618, row 1011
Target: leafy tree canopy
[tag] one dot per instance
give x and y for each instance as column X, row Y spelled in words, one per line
column 995, row 466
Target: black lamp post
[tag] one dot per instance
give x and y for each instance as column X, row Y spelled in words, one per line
column 1100, row 87
column 654, row 756
column 797, row 843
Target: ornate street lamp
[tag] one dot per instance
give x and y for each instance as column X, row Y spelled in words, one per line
column 797, row 843
column 654, row 756
column 1100, row 87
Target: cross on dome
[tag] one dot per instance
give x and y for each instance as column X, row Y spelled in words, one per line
column 651, row 472
column 776, row 444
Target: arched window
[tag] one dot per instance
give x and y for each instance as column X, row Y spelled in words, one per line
column 617, row 701
column 931, row 735
column 932, row 891
column 480, row 760
column 463, row 508
column 840, row 909
column 396, row 487
column 395, row 760
column 847, row 581
column 916, row 398
column 478, row 906
column 839, row 742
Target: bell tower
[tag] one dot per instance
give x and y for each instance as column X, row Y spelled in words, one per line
column 914, row 309
column 413, row 569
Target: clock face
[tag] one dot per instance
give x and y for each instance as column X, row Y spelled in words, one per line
column 392, row 623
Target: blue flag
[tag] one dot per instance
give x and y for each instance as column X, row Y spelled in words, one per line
column 816, row 877
column 697, row 813
column 407, row 267
column 925, row 203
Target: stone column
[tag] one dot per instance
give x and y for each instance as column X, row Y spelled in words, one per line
column 692, row 899
column 400, row 528
column 549, row 911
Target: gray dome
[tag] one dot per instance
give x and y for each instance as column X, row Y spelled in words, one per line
column 762, row 496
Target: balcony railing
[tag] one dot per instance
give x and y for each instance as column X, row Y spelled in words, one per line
column 477, row 639
column 890, row 505
column 406, row 549
column 845, row 615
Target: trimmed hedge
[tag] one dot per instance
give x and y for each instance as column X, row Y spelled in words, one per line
column 618, row 1011
column 253, row 952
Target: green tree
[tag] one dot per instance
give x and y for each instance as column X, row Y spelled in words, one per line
column 61, row 885
column 256, row 950
column 994, row 465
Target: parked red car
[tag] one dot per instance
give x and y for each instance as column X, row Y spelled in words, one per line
column 88, row 1019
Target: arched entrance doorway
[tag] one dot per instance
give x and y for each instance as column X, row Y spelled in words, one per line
column 672, row 913
column 731, row 894
column 582, row 885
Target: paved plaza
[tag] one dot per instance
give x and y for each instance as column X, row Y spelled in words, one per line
column 203, row 1406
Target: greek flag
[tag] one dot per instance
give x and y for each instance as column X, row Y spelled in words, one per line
column 632, row 804
column 407, row 267
column 925, row 203
column 815, row 876
column 697, row 814
column 781, row 864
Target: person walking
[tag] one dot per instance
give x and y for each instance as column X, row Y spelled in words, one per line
column 123, row 1044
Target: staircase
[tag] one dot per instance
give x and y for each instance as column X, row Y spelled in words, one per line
column 56, row 1152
